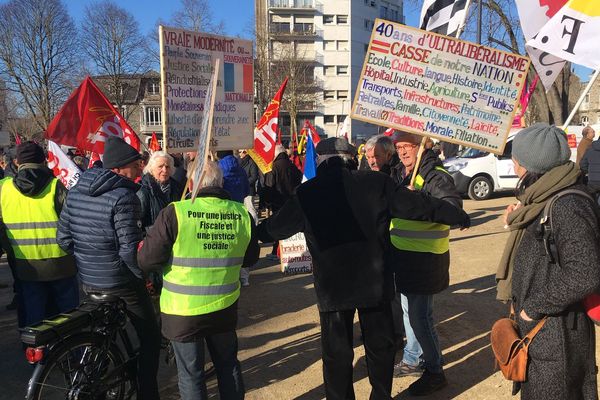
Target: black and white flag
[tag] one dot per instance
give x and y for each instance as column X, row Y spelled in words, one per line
column 443, row 16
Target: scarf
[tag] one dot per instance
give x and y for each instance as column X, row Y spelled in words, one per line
column 533, row 201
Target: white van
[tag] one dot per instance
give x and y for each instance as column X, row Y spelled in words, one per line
column 478, row 174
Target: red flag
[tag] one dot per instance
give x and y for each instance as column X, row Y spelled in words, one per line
column 519, row 121
column 389, row 132
column 87, row 118
column 265, row 134
column 93, row 158
column 313, row 132
column 17, row 139
column 154, row 146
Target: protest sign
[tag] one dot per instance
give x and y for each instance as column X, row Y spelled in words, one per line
column 186, row 62
column 62, row 166
column 295, row 257
column 435, row 85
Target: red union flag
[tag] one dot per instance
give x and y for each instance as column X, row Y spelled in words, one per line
column 87, row 118
column 265, row 134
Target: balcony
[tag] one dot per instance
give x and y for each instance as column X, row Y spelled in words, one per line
column 308, row 5
column 298, row 30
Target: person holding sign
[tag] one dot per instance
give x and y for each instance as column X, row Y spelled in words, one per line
column 422, row 266
column 345, row 216
column 200, row 246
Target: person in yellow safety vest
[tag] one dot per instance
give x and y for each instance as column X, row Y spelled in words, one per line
column 200, row 247
column 423, row 259
column 30, row 205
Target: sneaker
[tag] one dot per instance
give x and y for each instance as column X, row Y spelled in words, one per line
column 245, row 282
column 404, row 369
column 272, row 257
column 428, row 383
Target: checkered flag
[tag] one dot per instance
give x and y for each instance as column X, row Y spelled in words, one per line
column 443, row 16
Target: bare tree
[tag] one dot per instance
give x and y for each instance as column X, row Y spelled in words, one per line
column 111, row 38
column 196, row 15
column 38, row 52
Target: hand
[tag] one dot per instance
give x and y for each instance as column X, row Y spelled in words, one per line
column 411, row 188
column 524, row 316
column 508, row 210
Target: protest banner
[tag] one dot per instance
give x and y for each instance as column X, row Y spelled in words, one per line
column 295, row 257
column 204, row 137
column 442, row 87
column 186, row 62
column 63, row 168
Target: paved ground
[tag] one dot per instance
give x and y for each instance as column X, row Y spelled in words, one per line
column 279, row 327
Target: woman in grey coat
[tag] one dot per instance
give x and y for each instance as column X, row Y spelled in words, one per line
column 562, row 355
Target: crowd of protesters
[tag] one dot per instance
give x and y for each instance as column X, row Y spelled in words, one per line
column 377, row 223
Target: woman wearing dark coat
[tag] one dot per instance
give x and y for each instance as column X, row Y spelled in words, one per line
column 158, row 188
column 562, row 355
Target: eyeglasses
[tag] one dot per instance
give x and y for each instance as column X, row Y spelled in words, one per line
column 406, row 147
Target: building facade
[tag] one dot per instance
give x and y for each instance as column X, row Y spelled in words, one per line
column 331, row 38
column 141, row 102
column 589, row 112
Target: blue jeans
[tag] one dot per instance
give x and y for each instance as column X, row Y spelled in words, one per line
column 223, row 348
column 421, row 336
column 40, row 300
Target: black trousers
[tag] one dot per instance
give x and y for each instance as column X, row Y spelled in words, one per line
column 377, row 329
column 143, row 318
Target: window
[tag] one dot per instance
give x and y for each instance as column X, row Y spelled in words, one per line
column 342, row 19
column 329, row 70
column 329, row 95
column 369, row 25
column 329, row 119
column 342, row 94
column 153, row 88
column 328, row 19
column 340, row 119
column 507, row 151
column 342, row 70
column 152, row 116
column 584, row 120
column 342, row 45
column 328, row 45
column 373, row 3
column 587, row 98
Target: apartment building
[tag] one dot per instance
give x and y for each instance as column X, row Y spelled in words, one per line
column 331, row 37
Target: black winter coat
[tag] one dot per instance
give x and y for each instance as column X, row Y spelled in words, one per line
column 425, row 273
column 281, row 182
column 590, row 164
column 248, row 164
column 345, row 216
column 562, row 355
column 153, row 199
column 100, row 224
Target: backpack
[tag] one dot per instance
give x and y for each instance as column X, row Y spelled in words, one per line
column 591, row 302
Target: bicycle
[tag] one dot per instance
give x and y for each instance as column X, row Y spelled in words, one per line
column 76, row 355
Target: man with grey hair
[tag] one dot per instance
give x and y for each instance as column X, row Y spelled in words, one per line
column 200, row 247
column 380, row 153
column 588, row 135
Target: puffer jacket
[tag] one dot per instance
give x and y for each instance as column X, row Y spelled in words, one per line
column 590, row 164
column 153, row 199
column 235, row 180
column 100, row 224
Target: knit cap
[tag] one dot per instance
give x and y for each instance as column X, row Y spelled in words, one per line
column 117, row 153
column 30, row 152
column 541, row 147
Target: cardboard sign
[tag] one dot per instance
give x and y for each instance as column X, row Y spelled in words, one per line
column 429, row 84
column 295, row 257
column 186, row 62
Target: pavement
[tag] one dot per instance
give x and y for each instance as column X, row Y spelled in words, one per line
column 279, row 335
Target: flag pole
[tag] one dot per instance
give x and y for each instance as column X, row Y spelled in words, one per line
column 581, row 98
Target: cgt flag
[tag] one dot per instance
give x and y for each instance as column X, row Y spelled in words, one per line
column 154, row 146
column 62, row 166
column 571, row 34
column 87, row 118
column 265, row 134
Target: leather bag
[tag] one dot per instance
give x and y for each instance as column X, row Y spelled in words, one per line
column 510, row 350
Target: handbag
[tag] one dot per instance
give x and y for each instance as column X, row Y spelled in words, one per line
column 510, row 350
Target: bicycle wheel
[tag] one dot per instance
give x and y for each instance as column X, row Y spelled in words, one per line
column 82, row 368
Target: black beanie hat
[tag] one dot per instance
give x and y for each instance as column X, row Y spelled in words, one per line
column 30, row 153
column 117, row 153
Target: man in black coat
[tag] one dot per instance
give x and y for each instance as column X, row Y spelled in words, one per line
column 101, row 225
column 345, row 216
column 590, row 165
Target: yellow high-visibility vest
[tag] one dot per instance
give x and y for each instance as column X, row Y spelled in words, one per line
column 203, row 276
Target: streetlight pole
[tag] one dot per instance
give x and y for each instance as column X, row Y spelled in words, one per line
column 479, row 20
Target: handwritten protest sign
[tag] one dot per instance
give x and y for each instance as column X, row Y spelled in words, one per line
column 186, row 61
column 435, row 85
column 295, row 257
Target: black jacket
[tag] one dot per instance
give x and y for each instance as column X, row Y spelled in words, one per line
column 154, row 256
column 153, row 199
column 590, row 164
column 248, row 164
column 425, row 273
column 281, row 182
column 345, row 216
column 30, row 182
column 100, row 224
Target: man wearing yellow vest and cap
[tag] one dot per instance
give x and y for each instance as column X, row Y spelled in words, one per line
column 421, row 251
column 200, row 247
column 30, row 205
